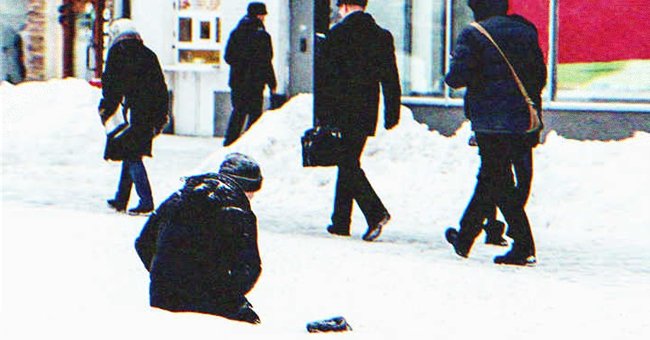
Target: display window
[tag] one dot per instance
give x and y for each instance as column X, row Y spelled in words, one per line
column 199, row 32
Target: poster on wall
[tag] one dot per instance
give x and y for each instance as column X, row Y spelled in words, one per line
column 200, row 5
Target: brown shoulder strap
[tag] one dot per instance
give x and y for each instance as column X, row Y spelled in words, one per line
column 535, row 122
column 512, row 69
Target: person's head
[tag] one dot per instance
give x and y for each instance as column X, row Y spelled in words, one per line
column 348, row 6
column 484, row 9
column 121, row 27
column 244, row 170
column 257, row 10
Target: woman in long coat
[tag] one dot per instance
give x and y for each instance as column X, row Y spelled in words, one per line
column 132, row 78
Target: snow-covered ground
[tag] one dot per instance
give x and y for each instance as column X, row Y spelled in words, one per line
column 69, row 269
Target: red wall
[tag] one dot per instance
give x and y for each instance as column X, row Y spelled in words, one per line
column 593, row 30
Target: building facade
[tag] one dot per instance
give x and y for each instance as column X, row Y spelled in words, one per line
column 598, row 53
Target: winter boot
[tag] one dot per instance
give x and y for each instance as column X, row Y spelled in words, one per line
column 517, row 257
column 374, row 231
column 494, row 233
column 460, row 247
column 114, row 204
column 141, row 209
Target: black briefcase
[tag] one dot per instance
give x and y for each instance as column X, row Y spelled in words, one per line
column 321, row 146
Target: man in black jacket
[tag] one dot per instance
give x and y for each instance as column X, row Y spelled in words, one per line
column 249, row 53
column 357, row 57
column 200, row 245
column 132, row 77
column 500, row 119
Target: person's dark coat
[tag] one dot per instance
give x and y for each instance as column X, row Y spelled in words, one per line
column 133, row 76
column 200, row 247
column 249, row 52
column 493, row 102
column 356, row 57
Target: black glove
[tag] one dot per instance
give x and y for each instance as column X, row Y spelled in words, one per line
column 390, row 124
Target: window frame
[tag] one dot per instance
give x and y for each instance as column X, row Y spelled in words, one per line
column 550, row 97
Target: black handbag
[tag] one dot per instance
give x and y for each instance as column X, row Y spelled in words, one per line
column 321, row 146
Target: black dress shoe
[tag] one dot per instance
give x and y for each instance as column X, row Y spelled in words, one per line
column 141, row 210
column 373, row 232
column 340, row 231
column 114, row 204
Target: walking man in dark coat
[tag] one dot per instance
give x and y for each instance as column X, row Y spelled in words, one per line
column 200, row 245
column 249, row 53
column 501, row 121
column 133, row 78
column 357, row 57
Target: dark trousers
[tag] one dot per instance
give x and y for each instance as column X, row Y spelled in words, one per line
column 352, row 184
column 133, row 172
column 247, row 103
column 523, row 167
column 496, row 187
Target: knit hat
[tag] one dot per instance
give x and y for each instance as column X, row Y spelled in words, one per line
column 120, row 28
column 244, row 170
column 484, row 9
column 362, row 3
column 256, row 8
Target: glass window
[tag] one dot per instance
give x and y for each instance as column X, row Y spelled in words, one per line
column 603, row 51
column 418, row 29
column 199, row 56
column 205, row 30
column 185, row 29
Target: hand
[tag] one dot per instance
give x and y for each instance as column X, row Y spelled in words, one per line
column 472, row 141
column 101, row 111
column 389, row 125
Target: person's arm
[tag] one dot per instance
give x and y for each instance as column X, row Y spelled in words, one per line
column 245, row 266
column 146, row 243
column 390, row 85
column 113, row 83
column 464, row 63
column 265, row 57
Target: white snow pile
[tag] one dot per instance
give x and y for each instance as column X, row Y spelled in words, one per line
column 69, row 269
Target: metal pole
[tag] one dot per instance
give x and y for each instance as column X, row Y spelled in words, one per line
column 449, row 13
column 553, row 27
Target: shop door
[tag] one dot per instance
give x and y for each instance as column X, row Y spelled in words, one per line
column 301, row 46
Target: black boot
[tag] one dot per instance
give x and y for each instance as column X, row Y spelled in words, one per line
column 517, row 257
column 141, row 209
column 245, row 313
column 494, row 233
column 114, row 204
column 461, row 247
column 337, row 230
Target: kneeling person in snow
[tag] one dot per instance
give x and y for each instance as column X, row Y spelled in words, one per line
column 200, row 245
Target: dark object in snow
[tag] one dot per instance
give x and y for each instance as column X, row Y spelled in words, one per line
column 336, row 324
